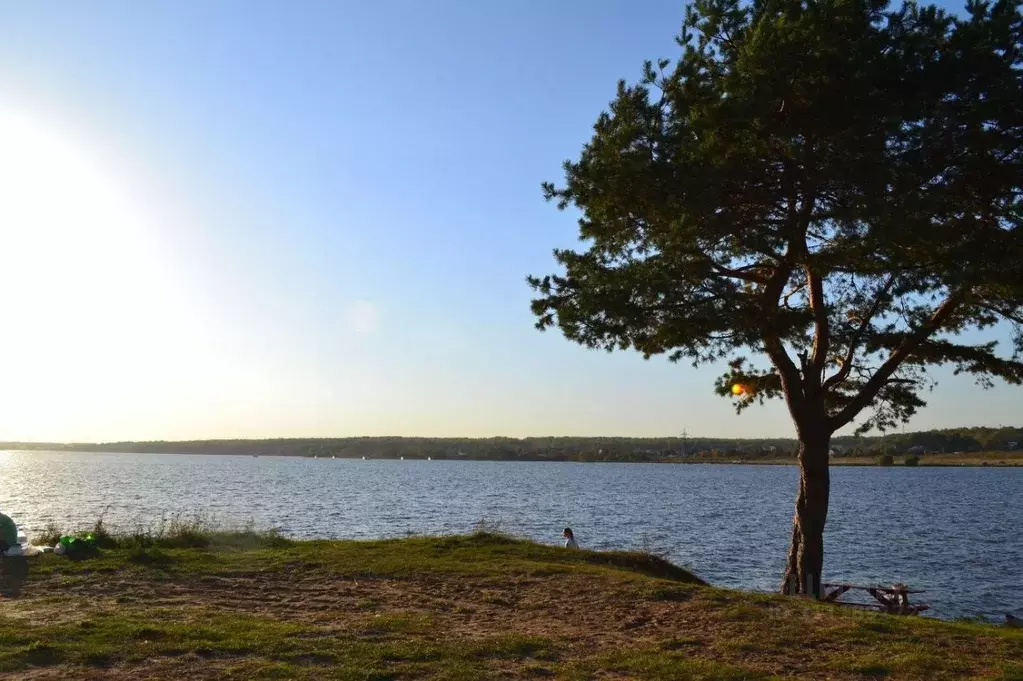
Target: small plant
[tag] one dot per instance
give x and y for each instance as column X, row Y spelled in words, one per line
column 50, row 536
column 186, row 533
column 485, row 526
column 885, row 460
column 141, row 537
column 101, row 536
column 912, row 460
column 151, row 556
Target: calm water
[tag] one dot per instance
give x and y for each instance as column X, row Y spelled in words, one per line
column 956, row 532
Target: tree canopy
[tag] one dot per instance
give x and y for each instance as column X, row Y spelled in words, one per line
column 825, row 194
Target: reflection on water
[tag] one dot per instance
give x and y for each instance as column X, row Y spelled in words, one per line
column 952, row 531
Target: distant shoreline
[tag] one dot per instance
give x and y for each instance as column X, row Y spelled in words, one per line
column 963, row 446
column 995, row 460
column 974, row 460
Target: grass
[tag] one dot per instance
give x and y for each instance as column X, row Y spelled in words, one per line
column 176, row 532
column 206, row 604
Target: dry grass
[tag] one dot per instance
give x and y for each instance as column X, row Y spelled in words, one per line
column 478, row 607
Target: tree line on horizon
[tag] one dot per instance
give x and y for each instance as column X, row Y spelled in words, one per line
column 976, row 439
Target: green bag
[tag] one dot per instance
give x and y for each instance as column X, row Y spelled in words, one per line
column 79, row 546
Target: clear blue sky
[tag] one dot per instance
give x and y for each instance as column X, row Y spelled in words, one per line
column 247, row 219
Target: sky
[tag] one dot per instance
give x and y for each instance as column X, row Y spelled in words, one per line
column 268, row 219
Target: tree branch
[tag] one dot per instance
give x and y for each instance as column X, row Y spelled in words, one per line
column 885, row 371
column 815, row 286
column 1009, row 316
column 857, row 337
column 821, row 329
column 746, row 273
column 785, row 298
column 773, row 346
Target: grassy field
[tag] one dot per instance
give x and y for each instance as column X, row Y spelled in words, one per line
column 244, row 605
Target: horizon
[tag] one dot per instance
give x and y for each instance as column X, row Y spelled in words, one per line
column 317, row 222
column 873, row 435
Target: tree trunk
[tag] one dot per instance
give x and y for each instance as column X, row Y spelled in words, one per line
column 806, row 552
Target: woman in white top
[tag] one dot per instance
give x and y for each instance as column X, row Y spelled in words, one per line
column 569, row 539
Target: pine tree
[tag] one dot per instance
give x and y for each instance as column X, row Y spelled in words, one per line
column 824, row 195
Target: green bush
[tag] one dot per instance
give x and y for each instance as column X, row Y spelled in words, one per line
column 912, row 460
column 886, row 460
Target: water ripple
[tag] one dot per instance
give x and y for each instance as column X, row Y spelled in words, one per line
column 952, row 531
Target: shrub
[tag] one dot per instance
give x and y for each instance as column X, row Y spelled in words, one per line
column 102, row 536
column 886, row 460
column 48, row 537
column 912, row 460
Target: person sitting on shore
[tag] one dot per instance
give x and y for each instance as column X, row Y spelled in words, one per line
column 569, row 539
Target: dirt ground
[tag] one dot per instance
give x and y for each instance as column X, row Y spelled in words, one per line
column 586, row 615
column 519, row 612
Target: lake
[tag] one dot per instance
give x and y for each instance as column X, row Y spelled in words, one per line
column 955, row 532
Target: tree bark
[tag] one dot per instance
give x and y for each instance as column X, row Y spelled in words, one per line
column 806, row 552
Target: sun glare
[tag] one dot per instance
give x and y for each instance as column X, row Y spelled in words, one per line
column 89, row 304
